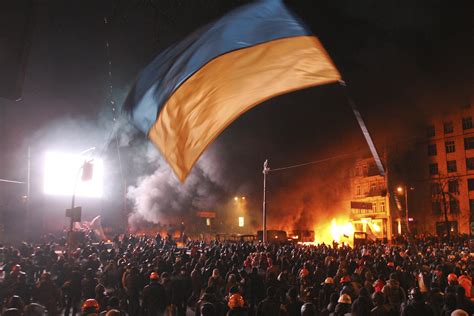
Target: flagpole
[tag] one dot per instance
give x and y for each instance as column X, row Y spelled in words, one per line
column 364, row 129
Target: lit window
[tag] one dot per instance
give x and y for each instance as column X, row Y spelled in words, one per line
column 373, row 187
column 382, row 207
column 358, row 190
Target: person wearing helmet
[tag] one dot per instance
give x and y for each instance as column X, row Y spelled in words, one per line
column 452, row 283
column 90, row 307
column 236, row 305
column 325, row 292
column 466, row 282
column 347, row 287
column 416, row 305
column 154, row 297
column 343, row 306
column 308, row 309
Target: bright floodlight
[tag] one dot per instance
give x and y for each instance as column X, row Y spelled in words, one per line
column 61, row 171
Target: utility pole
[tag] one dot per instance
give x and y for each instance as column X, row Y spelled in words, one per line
column 266, row 169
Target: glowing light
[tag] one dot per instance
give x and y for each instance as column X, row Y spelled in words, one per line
column 236, row 198
column 208, row 222
column 243, row 198
column 61, row 171
column 376, row 227
column 338, row 232
column 241, row 221
column 399, row 189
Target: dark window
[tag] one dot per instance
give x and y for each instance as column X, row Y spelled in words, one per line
column 451, row 164
column 469, row 143
column 436, row 207
column 450, row 147
column 470, row 184
column 454, row 206
column 470, row 163
column 471, row 207
column 433, row 168
column 435, row 189
column 430, row 131
column 453, row 186
column 448, row 127
column 432, row 150
column 467, row 122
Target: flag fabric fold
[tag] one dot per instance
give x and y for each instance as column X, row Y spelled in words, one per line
column 193, row 90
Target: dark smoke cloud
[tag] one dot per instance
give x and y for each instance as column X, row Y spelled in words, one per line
column 159, row 197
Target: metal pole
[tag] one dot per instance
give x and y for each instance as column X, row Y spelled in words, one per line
column 406, row 210
column 28, row 190
column 71, row 224
column 266, row 169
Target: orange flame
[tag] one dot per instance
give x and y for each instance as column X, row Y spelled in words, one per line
column 334, row 232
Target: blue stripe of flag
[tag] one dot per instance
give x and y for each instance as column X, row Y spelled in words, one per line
column 246, row 26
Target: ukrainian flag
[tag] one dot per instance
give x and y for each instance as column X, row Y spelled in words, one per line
column 193, row 90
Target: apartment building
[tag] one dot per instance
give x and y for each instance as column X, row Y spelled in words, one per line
column 448, row 173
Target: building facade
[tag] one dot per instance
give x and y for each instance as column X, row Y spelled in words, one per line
column 369, row 205
column 447, row 174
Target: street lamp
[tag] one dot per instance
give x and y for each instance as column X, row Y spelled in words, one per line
column 403, row 190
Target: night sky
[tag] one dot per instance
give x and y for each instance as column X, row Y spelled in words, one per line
column 402, row 60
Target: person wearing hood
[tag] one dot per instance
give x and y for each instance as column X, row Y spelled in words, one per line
column 209, row 297
column 416, row 305
column 362, row 305
column 382, row 308
column 394, row 293
column 293, row 307
column 270, row 306
column 462, row 302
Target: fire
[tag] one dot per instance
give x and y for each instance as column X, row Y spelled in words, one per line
column 338, row 230
column 376, row 227
column 341, row 233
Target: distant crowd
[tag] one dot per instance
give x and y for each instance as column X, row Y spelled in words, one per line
column 138, row 275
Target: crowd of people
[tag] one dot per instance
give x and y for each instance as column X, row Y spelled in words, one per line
column 140, row 275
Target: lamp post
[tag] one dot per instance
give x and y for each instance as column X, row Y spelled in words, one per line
column 403, row 189
column 266, row 170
